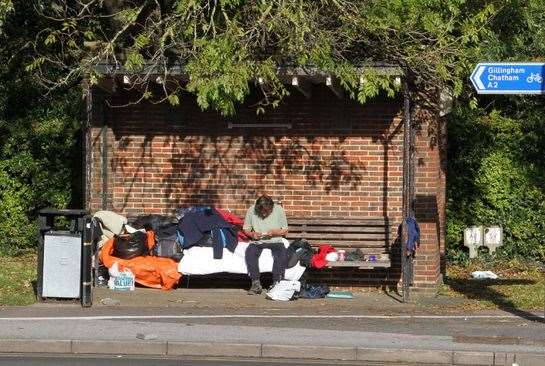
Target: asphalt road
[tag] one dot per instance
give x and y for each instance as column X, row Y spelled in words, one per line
column 71, row 360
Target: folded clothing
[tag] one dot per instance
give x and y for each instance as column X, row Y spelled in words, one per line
column 194, row 225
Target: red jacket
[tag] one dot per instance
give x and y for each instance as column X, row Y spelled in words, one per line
column 235, row 221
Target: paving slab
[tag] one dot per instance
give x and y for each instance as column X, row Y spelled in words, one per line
column 529, row 359
column 405, row 355
column 213, row 349
column 34, row 346
column 473, row 358
column 308, row 352
column 119, row 347
column 504, row 359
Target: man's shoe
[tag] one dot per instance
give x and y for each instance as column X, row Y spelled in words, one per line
column 256, row 288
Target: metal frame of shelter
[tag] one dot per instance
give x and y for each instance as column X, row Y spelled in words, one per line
column 301, row 79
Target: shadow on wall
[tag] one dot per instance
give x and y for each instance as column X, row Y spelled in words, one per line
column 193, row 157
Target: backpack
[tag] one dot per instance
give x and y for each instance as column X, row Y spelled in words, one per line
column 166, row 244
column 299, row 251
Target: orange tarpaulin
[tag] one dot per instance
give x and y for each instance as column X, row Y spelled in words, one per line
column 149, row 271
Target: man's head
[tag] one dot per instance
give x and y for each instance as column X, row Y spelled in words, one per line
column 264, row 206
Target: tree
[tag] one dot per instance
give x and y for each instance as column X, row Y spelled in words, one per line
column 5, row 7
column 223, row 45
column 496, row 173
column 39, row 152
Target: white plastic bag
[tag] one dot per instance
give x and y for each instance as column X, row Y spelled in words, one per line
column 481, row 275
column 284, row 290
column 122, row 281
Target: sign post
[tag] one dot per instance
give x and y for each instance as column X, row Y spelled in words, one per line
column 509, row 78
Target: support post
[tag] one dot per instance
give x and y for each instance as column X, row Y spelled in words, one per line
column 408, row 191
column 104, row 152
column 88, row 145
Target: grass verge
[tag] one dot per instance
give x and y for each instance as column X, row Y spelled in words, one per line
column 17, row 280
column 520, row 285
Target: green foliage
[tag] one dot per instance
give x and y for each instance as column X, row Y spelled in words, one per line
column 219, row 75
column 38, row 162
column 225, row 45
column 496, row 171
column 5, row 7
column 493, row 179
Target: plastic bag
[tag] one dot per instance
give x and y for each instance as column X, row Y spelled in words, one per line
column 130, row 245
column 284, row 290
column 122, row 281
column 481, row 275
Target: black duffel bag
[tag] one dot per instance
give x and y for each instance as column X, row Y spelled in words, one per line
column 127, row 246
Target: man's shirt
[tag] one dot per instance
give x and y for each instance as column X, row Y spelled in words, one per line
column 276, row 220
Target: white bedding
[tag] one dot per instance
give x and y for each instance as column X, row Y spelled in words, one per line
column 200, row 261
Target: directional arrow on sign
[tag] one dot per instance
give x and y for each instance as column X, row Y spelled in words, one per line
column 476, row 78
column 509, row 78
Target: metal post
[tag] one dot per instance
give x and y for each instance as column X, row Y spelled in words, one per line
column 87, row 138
column 86, row 254
column 104, row 144
column 408, row 190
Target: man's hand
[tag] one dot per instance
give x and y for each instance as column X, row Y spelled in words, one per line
column 255, row 235
column 276, row 232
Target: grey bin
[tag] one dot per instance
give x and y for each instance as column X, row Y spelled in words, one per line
column 61, row 276
column 64, row 256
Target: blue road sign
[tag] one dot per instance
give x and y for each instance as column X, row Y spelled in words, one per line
column 509, row 78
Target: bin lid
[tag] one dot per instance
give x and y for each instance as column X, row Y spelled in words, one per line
column 63, row 212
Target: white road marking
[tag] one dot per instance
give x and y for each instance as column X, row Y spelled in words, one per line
column 250, row 316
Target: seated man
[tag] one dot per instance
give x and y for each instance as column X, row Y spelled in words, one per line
column 265, row 223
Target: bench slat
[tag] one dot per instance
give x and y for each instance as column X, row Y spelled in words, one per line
column 337, row 222
column 340, row 236
column 361, row 264
column 361, row 242
column 369, row 235
column 344, row 229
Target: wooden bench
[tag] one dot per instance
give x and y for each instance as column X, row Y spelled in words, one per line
column 371, row 236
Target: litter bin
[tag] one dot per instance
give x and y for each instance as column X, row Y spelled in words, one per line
column 64, row 256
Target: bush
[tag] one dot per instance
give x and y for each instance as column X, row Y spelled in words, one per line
column 39, row 161
column 495, row 178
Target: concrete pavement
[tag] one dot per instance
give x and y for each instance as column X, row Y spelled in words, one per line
column 228, row 323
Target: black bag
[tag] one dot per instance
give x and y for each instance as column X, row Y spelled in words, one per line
column 152, row 222
column 166, row 244
column 128, row 246
column 300, row 251
column 313, row 291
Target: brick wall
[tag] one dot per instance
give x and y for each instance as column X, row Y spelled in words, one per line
column 339, row 159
